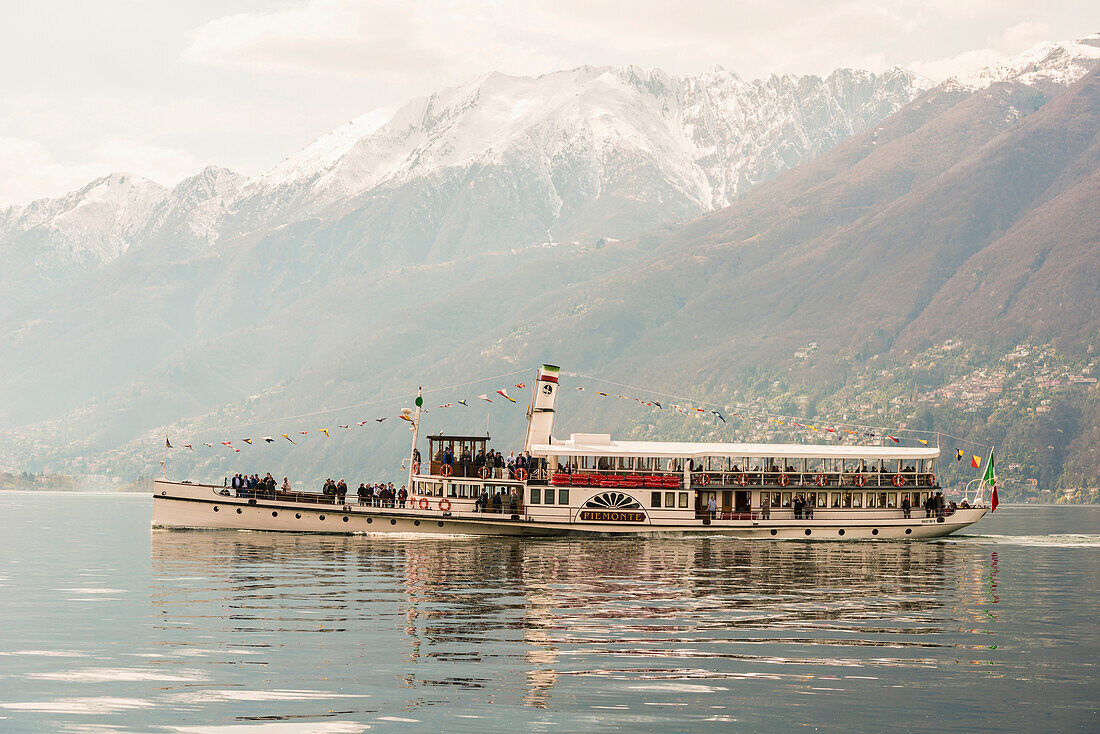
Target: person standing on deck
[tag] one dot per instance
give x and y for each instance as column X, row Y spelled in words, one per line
column 712, row 507
column 765, row 506
column 906, row 506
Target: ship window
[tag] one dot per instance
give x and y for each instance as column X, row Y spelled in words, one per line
column 683, row 499
column 563, row 496
column 834, row 499
column 670, row 499
column 822, row 499
column 775, row 499
column 786, row 499
column 536, row 495
column 871, row 500
column 847, row 499
column 654, row 499
column 548, row 497
column 882, row 499
column 892, row 500
column 857, row 499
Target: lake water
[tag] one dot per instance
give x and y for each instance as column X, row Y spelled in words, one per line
column 107, row 626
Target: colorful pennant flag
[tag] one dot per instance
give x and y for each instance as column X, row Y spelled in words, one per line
column 324, row 431
column 189, row 447
column 247, row 441
column 288, row 438
column 167, row 445
column 521, row 385
column 268, row 439
column 463, row 402
column 504, row 394
column 975, row 461
column 958, row 454
column 208, row 444
column 484, row 397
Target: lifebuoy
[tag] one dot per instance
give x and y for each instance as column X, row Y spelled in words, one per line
column 743, row 479
column 704, row 480
column 483, row 472
column 445, row 505
column 898, row 480
column 931, row 480
column 423, row 503
column 416, row 467
column 821, row 480
column 446, row 470
column 783, row 480
column 521, row 474
column 859, row 480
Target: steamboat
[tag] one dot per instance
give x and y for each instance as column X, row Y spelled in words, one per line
column 591, row 484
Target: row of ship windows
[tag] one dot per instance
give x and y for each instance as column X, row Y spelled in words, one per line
column 856, row 500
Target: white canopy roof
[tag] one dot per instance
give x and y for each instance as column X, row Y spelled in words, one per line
column 600, row 444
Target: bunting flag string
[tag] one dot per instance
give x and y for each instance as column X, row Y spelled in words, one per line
column 718, row 413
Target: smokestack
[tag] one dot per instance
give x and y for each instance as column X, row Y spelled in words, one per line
column 540, row 416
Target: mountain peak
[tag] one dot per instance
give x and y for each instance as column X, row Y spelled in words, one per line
column 1060, row 63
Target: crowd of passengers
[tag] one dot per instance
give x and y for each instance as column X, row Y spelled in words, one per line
column 376, row 494
column 499, row 466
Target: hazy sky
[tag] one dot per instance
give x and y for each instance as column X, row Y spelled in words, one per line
column 161, row 89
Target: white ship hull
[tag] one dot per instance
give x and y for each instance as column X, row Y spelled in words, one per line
column 200, row 506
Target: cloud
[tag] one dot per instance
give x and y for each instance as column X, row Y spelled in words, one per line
column 28, row 170
column 327, row 36
column 1008, row 43
column 450, row 42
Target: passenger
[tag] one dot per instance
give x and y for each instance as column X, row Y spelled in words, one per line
column 286, row 485
column 416, row 456
column 510, row 463
column 377, row 500
column 498, row 462
column 765, row 505
column 361, row 493
column 402, row 495
column 479, row 461
column 798, row 503
column 341, row 491
column 448, row 457
column 941, row 504
column 497, row 502
column 808, row 510
column 906, row 506
column 712, row 507
column 928, row 505
column 481, row 501
column 952, row 507
column 965, row 505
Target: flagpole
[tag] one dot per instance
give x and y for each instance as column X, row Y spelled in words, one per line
column 416, row 435
column 164, row 463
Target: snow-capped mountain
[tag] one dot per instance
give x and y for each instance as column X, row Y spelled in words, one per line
column 92, row 225
column 504, row 161
column 1059, row 64
column 704, row 140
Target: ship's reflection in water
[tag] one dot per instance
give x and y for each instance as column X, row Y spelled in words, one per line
column 625, row 632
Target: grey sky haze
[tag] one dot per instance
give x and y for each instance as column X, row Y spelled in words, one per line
column 160, row 89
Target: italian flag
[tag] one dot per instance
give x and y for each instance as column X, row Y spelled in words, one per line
column 549, row 373
column 990, row 478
